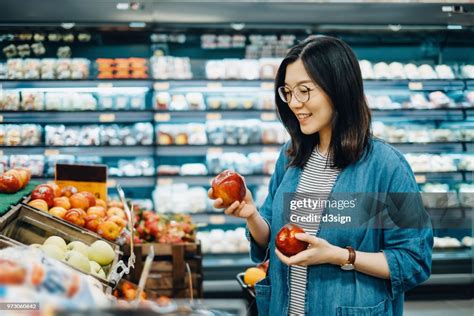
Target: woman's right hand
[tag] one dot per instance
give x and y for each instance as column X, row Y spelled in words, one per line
column 244, row 209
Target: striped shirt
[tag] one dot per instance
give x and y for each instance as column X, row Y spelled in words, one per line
column 316, row 182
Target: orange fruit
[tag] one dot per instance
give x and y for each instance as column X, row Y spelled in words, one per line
column 253, row 275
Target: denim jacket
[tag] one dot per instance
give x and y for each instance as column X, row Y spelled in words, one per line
column 331, row 290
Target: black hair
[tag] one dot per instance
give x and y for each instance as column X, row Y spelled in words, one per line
column 333, row 66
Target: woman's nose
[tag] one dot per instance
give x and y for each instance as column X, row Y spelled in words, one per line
column 295, row 103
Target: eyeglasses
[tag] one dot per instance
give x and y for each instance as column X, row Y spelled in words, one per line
column 301, row 93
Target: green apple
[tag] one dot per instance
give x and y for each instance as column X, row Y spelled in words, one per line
column 35, row 245
column 55, row 240
column 53, row 251
column 79, row 247
column 101, row 252
column 78, row 261
column 97, row 270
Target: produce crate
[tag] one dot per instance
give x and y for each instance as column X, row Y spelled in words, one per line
column 27, row 226
column 168, row 273
column 7, row 200
column 8, row 242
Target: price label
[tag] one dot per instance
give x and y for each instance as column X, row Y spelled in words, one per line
column 215, row 150
column 213, row 116
column 268, row 117
column 105, row 85
column 1, row 118
column 111, row 183
column 51, row 152
column 164, row 181
column 162, row 117
column 217, row 219
column 267, row 85
column 107, row 118
column 214, row 85
column 420, row 178
column 161, row 86
column 415, row 85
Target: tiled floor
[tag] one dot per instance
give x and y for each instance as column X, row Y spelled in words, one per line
column 439, row 308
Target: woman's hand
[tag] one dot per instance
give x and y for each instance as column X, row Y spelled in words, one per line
column 319, row 252
column 244, row 209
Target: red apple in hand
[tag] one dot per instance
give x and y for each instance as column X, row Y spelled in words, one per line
column 229, row 186
column 45, row 193
column 286, row 241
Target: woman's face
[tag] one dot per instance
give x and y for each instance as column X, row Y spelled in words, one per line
column 316, row 113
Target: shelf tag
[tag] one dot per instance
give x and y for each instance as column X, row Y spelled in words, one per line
column 268, row 117
column 421, row 178
column 164, row 181
column 105, row 85
column 217, row 219
column 107, row 118
column 214, row 85
column 161, row 86
column 214, row 150
column 415, row 85
column 267, row 85
column 1, row 118
column 111, row 183
column 162, row 117
column 51, row 152
column 213, row 116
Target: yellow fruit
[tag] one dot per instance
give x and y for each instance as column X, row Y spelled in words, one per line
column 253, row 275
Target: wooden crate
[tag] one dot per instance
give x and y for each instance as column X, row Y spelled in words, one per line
column 27, row 226
column 168, row 273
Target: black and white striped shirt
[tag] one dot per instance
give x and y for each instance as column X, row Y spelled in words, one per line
column 316, row 182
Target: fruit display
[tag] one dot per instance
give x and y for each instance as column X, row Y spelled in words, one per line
column 20, row 135
column 80, row 208
column 229, row 186
column 286, row 242
column 396, row 70
column 161, row 228
column 92, row 259
column 95, row 135
column 128, row 291
column 451, row 242
column 218, row 241
column 48, row 68
column 243, row 69
column 14, row 180
column 169, row 199
column 122, row 68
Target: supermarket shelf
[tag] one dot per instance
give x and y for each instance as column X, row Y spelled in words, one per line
column 217, row 219
column 422, row 177
column 441, row 114
column 76, row 117
column 46, row 84
column 430, row 147
column 416, row 85
column 203, row 116
column 203, row 150
column 127, row 182
column 206, row 180
column 470, row 84
column 103, row 151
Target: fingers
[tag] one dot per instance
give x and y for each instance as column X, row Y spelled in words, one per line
column 282, row 257
column 232, row 208
column 210, row 194
column 218, row 203
column 299, row 259
column 312, row 240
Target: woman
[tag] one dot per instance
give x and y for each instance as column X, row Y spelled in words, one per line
column 362, row 268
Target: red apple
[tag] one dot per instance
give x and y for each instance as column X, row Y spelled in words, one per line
column 43, row 192
column 93, row 222
column 68, row 191
column 286, row 241
column 19, row 175
column 58, row 211
column 116, row 211
column 109, row 230
column 99, row 202
column 39, row 204
column 117, row 220
column 75, row 216
column 96, row 210
column 62, row 202
column 90, row 197
column 9, row 183
column 56, row 189
column 79, row 201
column 229, row 186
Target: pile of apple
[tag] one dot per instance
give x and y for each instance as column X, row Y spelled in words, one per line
column 80, row 208
column 93, row 259
column 161, row 228
column 128, row 291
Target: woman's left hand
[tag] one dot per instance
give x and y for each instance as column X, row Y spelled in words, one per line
column 319, row 252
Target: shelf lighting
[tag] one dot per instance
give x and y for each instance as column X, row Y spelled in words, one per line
column 454, row 27
column 126, row 90
column 137, row 24
column 123, row 6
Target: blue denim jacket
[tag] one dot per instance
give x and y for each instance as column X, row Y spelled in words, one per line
column 331, row 290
